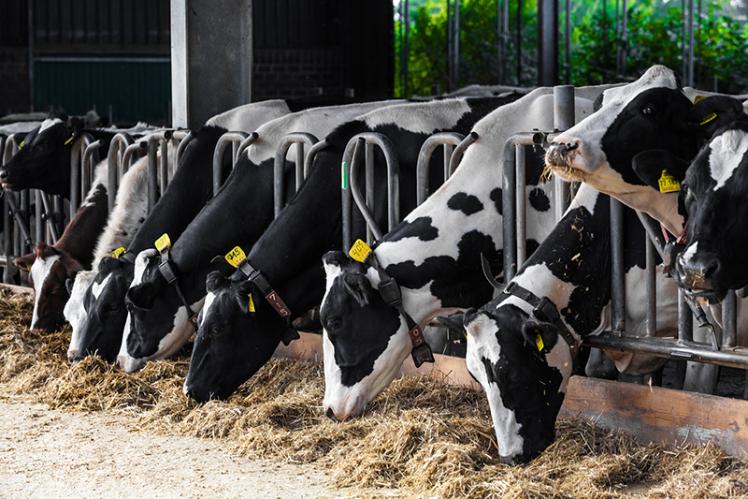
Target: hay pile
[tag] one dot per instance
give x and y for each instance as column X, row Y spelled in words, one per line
column 419, row 436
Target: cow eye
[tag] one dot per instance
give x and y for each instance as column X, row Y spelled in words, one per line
column 333, row 323
column 648, row 110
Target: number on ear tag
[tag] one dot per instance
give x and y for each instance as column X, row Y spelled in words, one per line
column 235, row 256
column 360, row 251
column 667, row 182
column 251, row 304
column 539, row 343
column 709, row 118
column 163, row 243
column 118, row 252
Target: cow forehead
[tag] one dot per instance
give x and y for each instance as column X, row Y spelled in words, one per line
column 656, row 76
column 141, row 263
column 727, row 152
column 40, row 269
column 49, row 123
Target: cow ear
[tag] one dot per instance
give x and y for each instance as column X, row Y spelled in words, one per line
column 541, row 336
column 76, row 124
column 26, row 261
column 107, row 264
column 652, row 165
column 335, row 258
column 142, row 295
column 214, row 281
column 358, row 287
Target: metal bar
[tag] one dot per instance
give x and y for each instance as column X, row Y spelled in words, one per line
column 651, row 278
column 279, row 164
column 369, row 187
column 38, row 223
column 116, row 152
column 48, row 215
column 654, row 234
column 311, row 154
column 299, row 170
column 691, row 45
column 520, row 184
column 672, row 349
column 563, row 119
column 547, row 42
column 567, row 39
column 729, row 320
column 88, row 165
column 685, row 318
column 137, row 149
column 152, row 171
column 226, row 139
column 164, row 166
column 423, row 165
column 617, row 291
column 350, row 152
column 460, row 151
column 184, row 137
column 76, row 169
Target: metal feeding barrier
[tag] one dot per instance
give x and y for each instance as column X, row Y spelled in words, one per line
column 721, row 347
column 239, row 142
column 453, row 147
column 302, row 164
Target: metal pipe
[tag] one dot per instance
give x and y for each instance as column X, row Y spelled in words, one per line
column 729, row 320
column 279, row 164
column 369, row 181
column 691, row 45
column 139, row 148
column 563, row 119
column 152, row 171
column 164, row 166
column 617, row 291
column 88, row 165
column 76, row 167
column 651, row 279
column 350, row 152
column 223, row 142
column 184, row 137
column 672, row 349
column 685, row 318
column 244, row 144
column 459, row 151
column 311, row 154
column 117, row 148
column 423, row 165
column 520, row 183
column 654, row 234
column 38, row 223
column 48, row 213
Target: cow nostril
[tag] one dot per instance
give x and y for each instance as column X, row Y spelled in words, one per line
column 3, row 174
column 571, row 146
column 330, row 414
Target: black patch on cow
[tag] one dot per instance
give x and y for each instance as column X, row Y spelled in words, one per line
column 466, row 203
column 497, row 200
column 420, row 227
column 539, row 200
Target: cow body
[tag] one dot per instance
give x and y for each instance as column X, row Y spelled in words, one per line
column 288, row 253
column 157, row 323
column 435, row 258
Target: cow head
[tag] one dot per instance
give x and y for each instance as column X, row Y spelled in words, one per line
column 43, row 157
column 49, row 268
column 651, row 113
column 104, row 301
column 357, row 369
column 75, row 311
column 522, row 365
column 714, row 196
column 235, row 337
column 148, row 323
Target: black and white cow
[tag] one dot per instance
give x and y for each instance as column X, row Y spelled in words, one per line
column 158, row 322
column 435, row 258
column 522, row 356
column 102, row 305
column 43, row 161
column 716, row 202
column 233, row 343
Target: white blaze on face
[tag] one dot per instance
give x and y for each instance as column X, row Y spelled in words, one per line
column 48, row 123
column 209, row 300
column 690, row 252
column 482, row 344
column 726, row 153
column 74, row 311
column 40, row 270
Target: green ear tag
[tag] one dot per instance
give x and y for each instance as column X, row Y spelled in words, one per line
column 667, row 182
column 344, row 175
column 539, row 343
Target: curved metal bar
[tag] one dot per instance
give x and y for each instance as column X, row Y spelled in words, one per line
column 138, row 148
column 279, row 162
column 153, row 144
column 76, row 178
column 454, row 161
column 90, row 158
column 311, row 154
column 117, row 148
column 227, row 138
column 393, row 183
column 244, row 145
column 184, row 137
column 423, row 166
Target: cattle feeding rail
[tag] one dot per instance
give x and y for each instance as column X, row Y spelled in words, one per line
column 302, row 164
column 239, row 142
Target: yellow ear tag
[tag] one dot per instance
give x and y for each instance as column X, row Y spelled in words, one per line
column 69, row 140
column 163, row 243
column 360, row 251
column 20, row 146
column 709, row 118
column 235, row 257
column 118, row 252
column 251, row 304
column 539, row 343
column 668, row 183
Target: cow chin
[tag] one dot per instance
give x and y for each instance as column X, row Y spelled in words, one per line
column 343, row 402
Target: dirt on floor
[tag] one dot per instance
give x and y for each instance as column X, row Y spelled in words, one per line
column 51, row 453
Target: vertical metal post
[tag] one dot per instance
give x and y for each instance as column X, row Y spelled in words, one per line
column 685, row 318
column 369, row 176
column 691, row 44
column 729, row 320
column 563, row 119
column 38, row 222
column 299, row 173
column 152, row 172
column 651, row 277
column 520, row 183
column 164, row 166
column 518, row 42
column 456, row 44
column 499, row 42
column 618, row 290
column 547, row 42
column 624, row 36
column 508, row 207
column 567, row 45
column 406, row 50
column 7, row 240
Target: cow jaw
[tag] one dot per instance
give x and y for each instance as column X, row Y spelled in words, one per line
column 74, row 310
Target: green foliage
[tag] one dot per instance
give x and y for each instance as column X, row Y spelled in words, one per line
column 654, row 35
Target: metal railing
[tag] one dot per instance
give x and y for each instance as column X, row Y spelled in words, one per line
column 452, row 150
column 239, row 142
column 302, row 164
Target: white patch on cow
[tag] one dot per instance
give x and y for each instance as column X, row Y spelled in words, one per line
column 48, row 123
column 98, row 287
column 206, row 310
column 482, row 344
column 690, row 252
column 40, row 270
column 141, row 263
column 477, row 175
column 99, row 180
column 319, row 121
column 74, row 311
column 727, row 151
column 181, row 332
column 124, row 360
column 418, row 117
column 128, row 214
column 250, row 117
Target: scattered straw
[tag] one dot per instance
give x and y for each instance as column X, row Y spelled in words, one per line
column 420, row 436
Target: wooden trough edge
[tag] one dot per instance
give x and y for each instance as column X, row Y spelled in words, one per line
column 650, row 414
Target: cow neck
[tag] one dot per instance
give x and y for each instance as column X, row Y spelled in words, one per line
column 237, row 216
column 307, row 227
column 188, row 192
column 81, row 234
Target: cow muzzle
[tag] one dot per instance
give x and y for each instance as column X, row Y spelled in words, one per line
column 697, row 272
column 350, row 408
column 562, row 153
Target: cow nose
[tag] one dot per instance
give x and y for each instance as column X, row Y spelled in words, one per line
column 330, row 414
column 559, row 153
column 72, row 354
column 697, row 270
